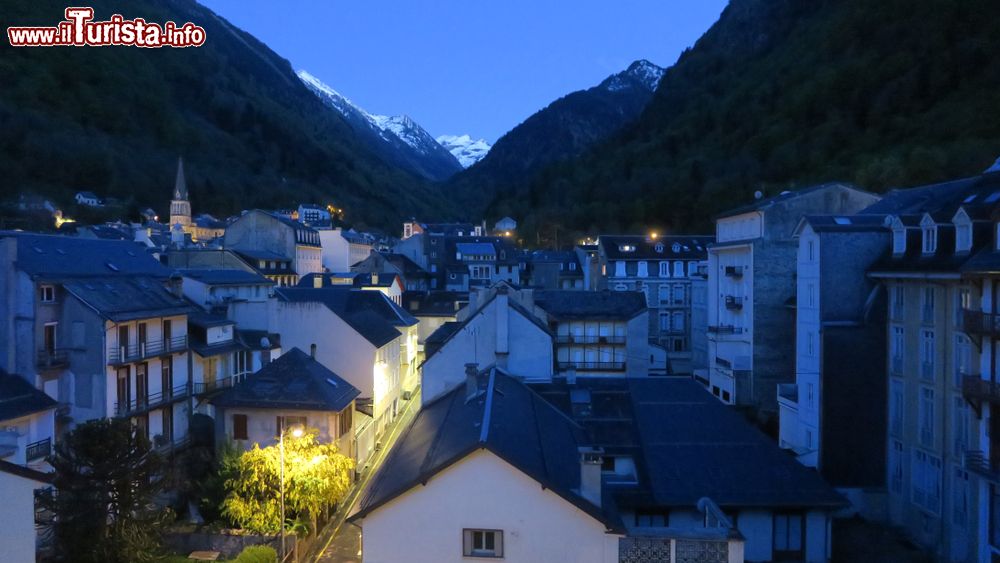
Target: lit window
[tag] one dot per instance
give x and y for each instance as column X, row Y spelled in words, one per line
column 482, row 543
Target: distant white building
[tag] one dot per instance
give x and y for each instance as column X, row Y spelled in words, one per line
column 505, row 226
column 274, row 239
column 343, row 249
column 89, row 199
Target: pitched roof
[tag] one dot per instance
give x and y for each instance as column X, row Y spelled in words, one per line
column 434, row 303
column 570, row 304
column 128, row 298
column 57, row 257
column 767, row 202
column 687, row 445
column 506, row 418
column 225, row 277
column 25, row 472
column 370, row 313
column 293, row 381
column 845, row 223
column 670, row 247
column 19, row 398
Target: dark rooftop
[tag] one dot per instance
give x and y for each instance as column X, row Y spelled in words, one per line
column 225, row 277
column 57, row 257
column 370, row 313
column 19, row 398
column 128, row 298
column 569, row 304
column 293, row 381
column 670, row 247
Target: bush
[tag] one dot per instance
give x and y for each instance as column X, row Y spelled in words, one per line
column 257, row 554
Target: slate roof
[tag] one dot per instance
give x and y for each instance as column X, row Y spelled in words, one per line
column 689, row 247
column 434, row 303
column 507, row 419
column 846, row 223
column 19, row 398
column 687, row 445
column 127, row 298
column 55, row 257
column 26, row 472
column 225, row 277
column 767, row 202
column 570, row 304
column 293, row 381
column 475, row 248
column 370, row 313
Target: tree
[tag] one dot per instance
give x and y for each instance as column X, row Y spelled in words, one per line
column 316, row 478
column 106, row 476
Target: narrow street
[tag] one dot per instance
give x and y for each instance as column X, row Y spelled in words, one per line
column 341, row 540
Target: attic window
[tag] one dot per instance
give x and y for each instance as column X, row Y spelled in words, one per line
column 963, row 237
column 993, row 197
column 659, row 247
column 626, row 248
column 930, row 239
column 899, row 240
column 675, row 248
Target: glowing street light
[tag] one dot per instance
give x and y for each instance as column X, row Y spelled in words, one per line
column 296, row 433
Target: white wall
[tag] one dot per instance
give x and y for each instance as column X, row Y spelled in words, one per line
column 17, row 511
column 336, row 251
column 262, row 426
column 482, row 491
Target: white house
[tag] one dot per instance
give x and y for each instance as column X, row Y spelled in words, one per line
column 17, row 511
column 343, row 249
column 257, row 232
column 27, row 423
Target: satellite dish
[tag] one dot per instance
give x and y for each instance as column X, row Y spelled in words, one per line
column 265, row 342
column 758, row 194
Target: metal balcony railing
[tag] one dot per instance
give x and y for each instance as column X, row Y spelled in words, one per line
column 146, row 350
column 151, row 401
column 55, row 358
column 591, row 339
column 38, row 450
column 733, row 302
column 980, row 323
column 218, row 384
column 977, row 462
column 725, row 329
column 593, row 366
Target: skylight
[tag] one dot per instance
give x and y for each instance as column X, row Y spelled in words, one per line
column 969, row 199
column 842, row 220
column 993, row 197
column 112, row 267
column 331, row 382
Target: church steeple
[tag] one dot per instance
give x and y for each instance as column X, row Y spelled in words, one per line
column 180, row 187
column 180, row 207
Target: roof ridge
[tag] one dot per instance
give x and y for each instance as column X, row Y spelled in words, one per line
column 484, row 430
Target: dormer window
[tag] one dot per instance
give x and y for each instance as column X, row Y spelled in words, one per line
column 676, row 248
column 664, row 269
column 963, row 238
column 929, row 234
column 898, row 240
column 659, row 247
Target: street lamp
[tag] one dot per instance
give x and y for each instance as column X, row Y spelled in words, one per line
column 296, row 433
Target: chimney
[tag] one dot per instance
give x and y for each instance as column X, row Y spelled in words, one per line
column 176, row 285
column 590, row 473
column 471, row 380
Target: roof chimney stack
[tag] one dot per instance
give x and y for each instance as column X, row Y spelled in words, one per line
column 471, row 380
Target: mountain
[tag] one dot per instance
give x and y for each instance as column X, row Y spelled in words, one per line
column 113, row 120
column 398, row 139
column 564, row 129
column 464, row 148
column 781, row 94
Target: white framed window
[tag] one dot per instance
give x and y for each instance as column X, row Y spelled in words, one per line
column 928, row 304
column 47, row 293
column 692, row 268
column 963, row 358
column 897, row 390
column 678, row 322
column 960, row 504
column 620, row 269
column 897, row 460
column 963, row 301
column 897, row 302
column 643, row 269
column 664, row 269
column 926, row 417
column 929, row 239
column 678, row 269
column 927, row 481
column 899, row 240
column 811, row 295
column 897, row 345
column 927, row 354
column 963, row 237
column 482, row 543
column 960, row 427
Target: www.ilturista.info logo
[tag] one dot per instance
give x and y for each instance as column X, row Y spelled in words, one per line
column 79, row 30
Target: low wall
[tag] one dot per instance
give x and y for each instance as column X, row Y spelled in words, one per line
column 229, row 545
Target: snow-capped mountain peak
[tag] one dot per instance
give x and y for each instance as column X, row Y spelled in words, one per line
column 467, row 150
column 404, row 138
column 641, row 72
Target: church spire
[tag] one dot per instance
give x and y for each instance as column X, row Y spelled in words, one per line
column 180, row 187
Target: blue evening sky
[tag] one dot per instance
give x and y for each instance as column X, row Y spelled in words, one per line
column 469, row 66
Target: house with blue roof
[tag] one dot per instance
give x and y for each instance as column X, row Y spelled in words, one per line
column 293, row 390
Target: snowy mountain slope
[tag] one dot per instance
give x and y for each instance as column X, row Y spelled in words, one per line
column 465, row 149
column 398, row 139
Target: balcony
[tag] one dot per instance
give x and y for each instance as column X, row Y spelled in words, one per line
column 980, row 323
column 593, row 366
column 143, row 351
column 734, row 271
column 56, row 358
column 734, row 303
column 590, row 339
column 38, row 450
column 217, row 385
column 143, row 404
column 725, row 329
column 977, row 390
column 977, row 462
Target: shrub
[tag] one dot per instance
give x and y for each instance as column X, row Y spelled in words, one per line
column 257, row 554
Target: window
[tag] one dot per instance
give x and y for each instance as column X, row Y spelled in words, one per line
column 963, row 237
column 643, row 269
column 896, row 402
column 692, row 269
column 811, row 295
column 960, row 426
column 678, row 269
column 896, row 461
column 810, row 395
column 928, row 306
column 664, row 269
column 678, row 322
column 482, row 543
column 960, row 504
column 963, row 301
column 899, row 240
column 168, row 424
column 678, row 294
column 167, row 377
column 345, row 420
column 897, row 344
column 811, row 251
column 963, row 358
column 289, row 422
column 620, row 269
column 47, row 294
column 651, row 518
column 927, row 481
column 897, row 302
column 927, row 355
column 608, row 464
column 930, row 239
column 926, row 415
column 240, row 427
column 788, row 534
